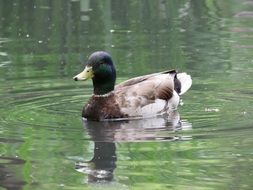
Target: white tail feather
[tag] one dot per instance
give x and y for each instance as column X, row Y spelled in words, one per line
column 186, row 82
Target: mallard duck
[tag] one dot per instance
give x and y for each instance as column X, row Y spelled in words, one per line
column 144, row 96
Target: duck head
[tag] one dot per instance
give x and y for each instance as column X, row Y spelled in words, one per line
column 101, row 70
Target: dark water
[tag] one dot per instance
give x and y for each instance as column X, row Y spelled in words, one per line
column 206, row 144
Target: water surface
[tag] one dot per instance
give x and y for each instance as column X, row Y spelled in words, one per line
column 205, row 144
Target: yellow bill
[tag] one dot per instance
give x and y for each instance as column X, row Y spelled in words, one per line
column 85, row 75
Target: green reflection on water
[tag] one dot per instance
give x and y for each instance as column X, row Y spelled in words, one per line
column 42, row 137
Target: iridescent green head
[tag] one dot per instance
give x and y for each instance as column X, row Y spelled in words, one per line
column 101, row 70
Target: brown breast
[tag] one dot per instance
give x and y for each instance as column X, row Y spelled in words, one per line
column 102, row 107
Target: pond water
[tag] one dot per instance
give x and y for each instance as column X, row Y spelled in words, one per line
column 205, row 144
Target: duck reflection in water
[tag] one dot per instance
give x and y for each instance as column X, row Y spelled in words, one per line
column 9, row 179
column 106, row 134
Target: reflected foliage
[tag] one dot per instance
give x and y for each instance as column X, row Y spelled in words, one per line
column 58, row 35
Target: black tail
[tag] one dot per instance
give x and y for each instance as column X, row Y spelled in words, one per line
column 177, row 85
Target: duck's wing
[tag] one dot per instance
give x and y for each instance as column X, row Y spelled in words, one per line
column 146, row 95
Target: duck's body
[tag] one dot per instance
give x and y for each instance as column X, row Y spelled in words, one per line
column 143, row 96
